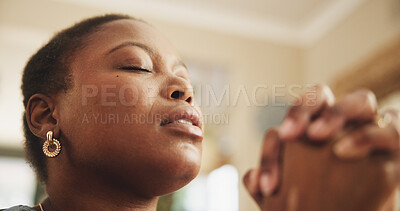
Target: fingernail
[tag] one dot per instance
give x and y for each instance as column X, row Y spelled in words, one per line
column 265, row 184
column 345, row 148
column 330, row 97
column 372, row 101
column 286, row 128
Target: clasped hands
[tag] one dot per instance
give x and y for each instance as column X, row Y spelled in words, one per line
column 322, row 155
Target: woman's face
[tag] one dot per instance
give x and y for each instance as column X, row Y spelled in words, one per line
column 130, row 117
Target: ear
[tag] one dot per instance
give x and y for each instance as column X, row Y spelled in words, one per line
column 40, row 115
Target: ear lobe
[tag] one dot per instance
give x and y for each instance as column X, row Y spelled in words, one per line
column 39, row 115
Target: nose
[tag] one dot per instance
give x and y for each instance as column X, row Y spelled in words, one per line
column 180, row 90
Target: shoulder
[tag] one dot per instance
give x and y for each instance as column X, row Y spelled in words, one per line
column 19, row 208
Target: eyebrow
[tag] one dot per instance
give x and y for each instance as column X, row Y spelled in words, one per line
column 178, row 63
column 140, row 45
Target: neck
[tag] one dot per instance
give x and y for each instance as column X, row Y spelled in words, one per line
column 89, row 192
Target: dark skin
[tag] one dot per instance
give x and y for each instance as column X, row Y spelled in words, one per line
column 120, row 165
column 128, row 68
column 347, row 131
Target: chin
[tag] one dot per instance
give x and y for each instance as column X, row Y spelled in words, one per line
column 153, row 170
column 157, row 178
column 180, row 173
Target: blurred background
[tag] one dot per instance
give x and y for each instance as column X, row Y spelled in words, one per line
column 248, row 60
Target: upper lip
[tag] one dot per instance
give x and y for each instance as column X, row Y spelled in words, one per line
column 188, row 113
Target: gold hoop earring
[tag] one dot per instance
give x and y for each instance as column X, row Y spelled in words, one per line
column 51, row 144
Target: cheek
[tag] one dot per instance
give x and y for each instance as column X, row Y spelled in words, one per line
column 113, row 101
column 109, row 96
column 99, row 112
column 109, row 123
column 129, row 95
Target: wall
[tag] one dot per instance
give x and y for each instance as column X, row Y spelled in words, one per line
column 357, row 38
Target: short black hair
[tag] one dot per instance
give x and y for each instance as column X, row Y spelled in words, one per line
column 47, row 72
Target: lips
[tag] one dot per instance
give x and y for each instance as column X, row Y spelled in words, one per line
column 184, row 115
column 185, row 120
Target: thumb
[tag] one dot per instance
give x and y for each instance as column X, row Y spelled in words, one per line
column 270, row 165
column 250, row 181
column 264, row 181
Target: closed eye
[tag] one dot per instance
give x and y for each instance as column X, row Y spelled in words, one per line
column 133, row 68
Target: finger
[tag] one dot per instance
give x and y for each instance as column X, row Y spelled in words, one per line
column 359, row 106
column 299, row 115
column 370, row 138
column 250, row 181
column 270, row 164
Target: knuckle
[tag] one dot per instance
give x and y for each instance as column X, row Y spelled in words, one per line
column 294, row 111
column 271, row 133
column 368, row 97
column 313, row 93
column 361, row 104
column 317, row 88
column 364, row 91
column 312, row 99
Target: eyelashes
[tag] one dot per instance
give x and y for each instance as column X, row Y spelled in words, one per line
column 134, row 69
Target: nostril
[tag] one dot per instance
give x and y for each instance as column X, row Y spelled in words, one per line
column 177, row 94
column 189, row 100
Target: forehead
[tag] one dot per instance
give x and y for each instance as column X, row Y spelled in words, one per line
column 132, row 29
column 114, row 33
